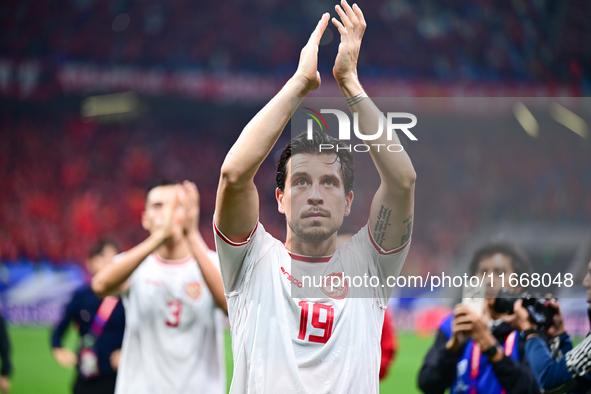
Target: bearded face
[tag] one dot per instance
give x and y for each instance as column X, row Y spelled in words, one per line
column 314, row 200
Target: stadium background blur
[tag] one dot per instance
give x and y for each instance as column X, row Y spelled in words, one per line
column 76, row 154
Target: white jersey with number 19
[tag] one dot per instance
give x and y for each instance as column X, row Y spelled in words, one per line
column 173, row 341
column 316, row 345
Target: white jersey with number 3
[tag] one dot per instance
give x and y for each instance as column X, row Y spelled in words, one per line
column 173, row 341
column 290, row 345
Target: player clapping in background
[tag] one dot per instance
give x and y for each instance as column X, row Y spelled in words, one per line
column 100, row 327
column 171, row 289
column 332, row 345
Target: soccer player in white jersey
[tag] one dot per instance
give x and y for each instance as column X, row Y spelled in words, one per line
column 172, row 292
column 311, row 345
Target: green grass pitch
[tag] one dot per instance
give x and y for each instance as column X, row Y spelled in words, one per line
column 35, row 371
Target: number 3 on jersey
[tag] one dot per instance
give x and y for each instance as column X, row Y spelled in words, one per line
column 174, row 313
column 316, row 323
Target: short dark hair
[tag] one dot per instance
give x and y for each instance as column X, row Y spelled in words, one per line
column 301, row 144
column 98, row 247
column 519, row 261
column 160, row 182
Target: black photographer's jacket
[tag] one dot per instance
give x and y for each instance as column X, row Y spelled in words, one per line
column 444, row 369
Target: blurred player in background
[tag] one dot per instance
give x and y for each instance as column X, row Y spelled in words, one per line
column 171, row 289
column 283, row 344
column 100, row 326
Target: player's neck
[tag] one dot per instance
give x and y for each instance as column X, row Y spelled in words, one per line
column 305, row 248
column 173, row 250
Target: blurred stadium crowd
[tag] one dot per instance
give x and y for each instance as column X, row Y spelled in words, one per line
column 67, row 183
column 531, row 40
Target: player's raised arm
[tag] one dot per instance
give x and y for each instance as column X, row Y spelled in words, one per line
column 392, row 207
column 189, row 198
column 237, row 204
column 112, row 279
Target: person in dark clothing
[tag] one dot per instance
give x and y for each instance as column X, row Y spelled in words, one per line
column 481, row 354
column 558, row 368
column 6, row 369
column 101, row 324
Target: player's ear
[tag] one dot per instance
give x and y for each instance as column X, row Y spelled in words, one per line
column 145, row 223
column 279, row 196
column 349, row 202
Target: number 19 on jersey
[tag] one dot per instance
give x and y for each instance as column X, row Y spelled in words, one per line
column 315, row 322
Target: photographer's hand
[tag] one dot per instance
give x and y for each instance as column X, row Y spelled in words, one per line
column 455, row 342
column 520, row 317
column 458, row 336
column 468, row 323
column 557, row 327
column 479, row 331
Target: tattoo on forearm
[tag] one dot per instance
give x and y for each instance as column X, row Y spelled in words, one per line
column 356, row 99
column 406, row 236
column 379, row 231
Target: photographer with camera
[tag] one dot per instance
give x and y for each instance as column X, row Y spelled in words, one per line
column 570, row 369
column 478, row 351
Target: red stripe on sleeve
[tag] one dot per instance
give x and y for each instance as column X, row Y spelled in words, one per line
column 382, row 251
column 231, row 243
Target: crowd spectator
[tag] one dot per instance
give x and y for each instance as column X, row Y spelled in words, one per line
column 434, row 40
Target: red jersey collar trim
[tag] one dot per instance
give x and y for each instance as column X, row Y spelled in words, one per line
column 171, row 262
column 310, row 259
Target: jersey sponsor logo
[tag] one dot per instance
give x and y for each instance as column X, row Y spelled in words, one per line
column 291, row 279
column 193, row 290
column 337, row 292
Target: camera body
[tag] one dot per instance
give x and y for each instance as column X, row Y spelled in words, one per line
column 540, row 311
